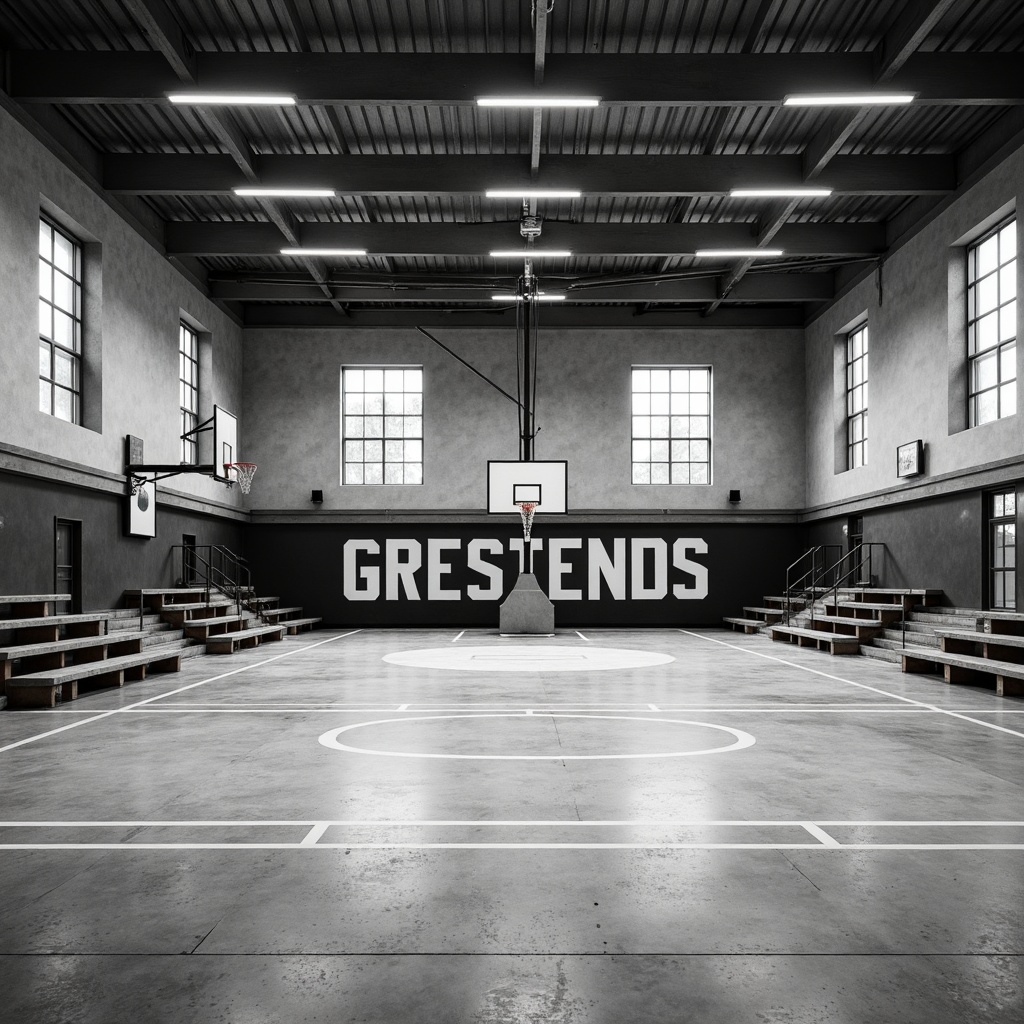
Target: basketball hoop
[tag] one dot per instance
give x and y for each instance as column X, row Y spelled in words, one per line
column 526, row 510
column 244, row 472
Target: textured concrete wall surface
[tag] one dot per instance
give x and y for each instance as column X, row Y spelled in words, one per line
column 918, row 339
column 135, row 297
column 291, row 415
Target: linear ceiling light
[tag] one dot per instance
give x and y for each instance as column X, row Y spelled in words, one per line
column 853, row 99
column 735, row 253
column 297, row 192
column 231, row 99
column 539, row 297
column 749, row 193
column 533, row 193
column 541, row 254
column 323, row 252
column 537, row 101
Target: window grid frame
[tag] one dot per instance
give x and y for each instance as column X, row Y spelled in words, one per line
column 671, row 437
column 1004, row 351
column 188, row 392
column 857, row 402
column 409, row 476
column 1002, row 573
column 56, row 349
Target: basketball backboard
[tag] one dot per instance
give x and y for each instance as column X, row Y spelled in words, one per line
column 225, row 442
column 542, row 482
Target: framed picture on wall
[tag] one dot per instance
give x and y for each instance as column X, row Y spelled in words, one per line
column 909, row 458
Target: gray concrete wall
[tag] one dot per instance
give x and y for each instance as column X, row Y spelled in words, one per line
column 918, row 346
column 135, row 297
column 291, row 415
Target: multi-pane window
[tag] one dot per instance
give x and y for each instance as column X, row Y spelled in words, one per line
column 60, row 323
column 672, row 425
column 992, row 325
column 188, row 390
column 857, row 397
column 1003, row 550
column 382, row 425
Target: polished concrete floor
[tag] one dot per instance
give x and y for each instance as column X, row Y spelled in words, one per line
column 504, row 832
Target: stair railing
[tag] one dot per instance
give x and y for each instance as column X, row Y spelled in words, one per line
column 218, row 568
column 856, row 560
column 806, row 575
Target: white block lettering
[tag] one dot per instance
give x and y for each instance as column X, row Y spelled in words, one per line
column 611, row 570
column 660, row 587
column 369, row 574
column 436, row 568
column 557, row 568
column 699, row 572
column 400, row 570
column 477, row 547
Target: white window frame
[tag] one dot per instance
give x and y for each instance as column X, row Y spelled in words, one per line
column 672, row 427
column 992, row 322
column 55, row 352
column 382, row 447
column 188, row 392
column 857, row 371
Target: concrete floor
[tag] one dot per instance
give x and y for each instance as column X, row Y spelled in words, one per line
column 505, row 847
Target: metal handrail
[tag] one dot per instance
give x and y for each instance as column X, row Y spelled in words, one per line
column 817, row 573
column 861, row 560
column 230, row 577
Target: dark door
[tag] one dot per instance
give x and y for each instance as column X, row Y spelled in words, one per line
column 188, row 559
column 67, row 563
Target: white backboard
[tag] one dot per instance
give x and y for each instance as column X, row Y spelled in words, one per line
column 545, row 482
column 225, row 442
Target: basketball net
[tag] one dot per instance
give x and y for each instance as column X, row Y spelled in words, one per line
column 526, row 510
column 244, row 472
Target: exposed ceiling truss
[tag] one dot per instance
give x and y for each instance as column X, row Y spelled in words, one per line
column 691, row 108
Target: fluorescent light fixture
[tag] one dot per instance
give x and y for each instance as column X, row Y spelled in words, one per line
column 748, row 193
column 537, row 101
column 231, row 99
column 323, row 252
column 737, row 253
column 297, row 192
column 533, row 193
column 541, row 254
column 539, row 297
column 852, row 99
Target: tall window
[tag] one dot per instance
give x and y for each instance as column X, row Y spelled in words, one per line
column 188, row 389
column 857, row 398
column 992, row 325
column 1003, row 550
column 60, row 323
column 382, row 425
column 672, row 425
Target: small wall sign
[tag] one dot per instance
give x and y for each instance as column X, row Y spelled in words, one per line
column 909, row 459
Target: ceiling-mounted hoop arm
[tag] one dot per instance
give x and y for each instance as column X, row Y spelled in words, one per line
column 470, row 366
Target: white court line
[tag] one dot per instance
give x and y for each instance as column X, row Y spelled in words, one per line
column 303, row 709
column 582, row 637
column 460, row 636
column 654, row 707
column 516, row 846
column 820, row 834
column 863, row 686
column 519, row 823
column 170, row 693
column 315, row 834
column 401, row 707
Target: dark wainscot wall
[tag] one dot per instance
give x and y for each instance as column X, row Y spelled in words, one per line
column 111, row 561
column 457, row 575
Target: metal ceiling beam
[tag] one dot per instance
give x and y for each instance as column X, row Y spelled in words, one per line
column 249, row 239
column 202, row 174
column 593, row 318
column 165, row 35
column 766, row 288
column 540, row 46
column 895, row 51
column 692, row 79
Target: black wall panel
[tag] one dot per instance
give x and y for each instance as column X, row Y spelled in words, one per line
column 111, row 562
column 447, row 575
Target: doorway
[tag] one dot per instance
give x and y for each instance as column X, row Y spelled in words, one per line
column 67, row 563
column 188, row 559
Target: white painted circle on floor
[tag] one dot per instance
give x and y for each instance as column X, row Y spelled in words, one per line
column 740, row 739
column 528, row 658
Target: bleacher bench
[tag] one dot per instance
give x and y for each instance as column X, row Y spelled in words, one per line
column 228, row 643
column 294, row 625
column 44, row 628
column 38, row 656
column 203, row 629
column 834, row 643
column 966, row 668
column 39, row 689
column 1000, row 646
column 31, row 604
